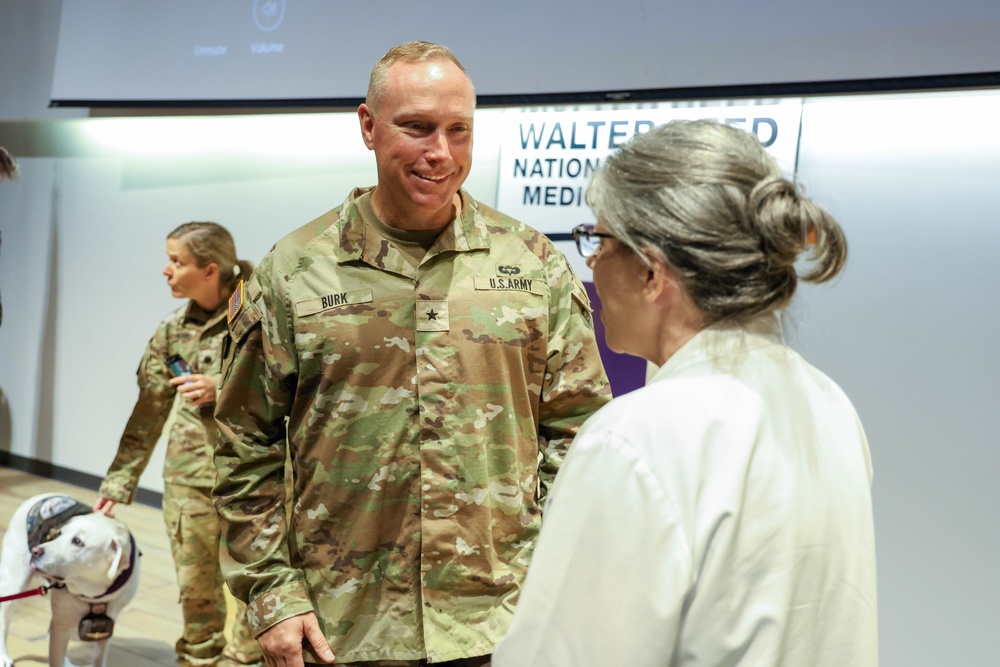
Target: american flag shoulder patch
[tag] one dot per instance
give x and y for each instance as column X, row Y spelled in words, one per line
column 235, row 302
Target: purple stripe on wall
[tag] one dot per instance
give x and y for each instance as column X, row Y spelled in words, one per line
column 625, row 372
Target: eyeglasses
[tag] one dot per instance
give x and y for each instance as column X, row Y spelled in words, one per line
column 587, row 240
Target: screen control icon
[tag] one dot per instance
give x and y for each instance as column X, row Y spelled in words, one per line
column 268, row 14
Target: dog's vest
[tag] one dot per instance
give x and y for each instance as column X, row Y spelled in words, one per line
column 47, row 517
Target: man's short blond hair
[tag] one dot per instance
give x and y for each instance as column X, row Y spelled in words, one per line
column 410, row 52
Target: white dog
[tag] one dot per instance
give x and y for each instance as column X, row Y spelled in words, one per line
column 90, row 559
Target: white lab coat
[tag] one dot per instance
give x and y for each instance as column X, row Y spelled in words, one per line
column 721, row 515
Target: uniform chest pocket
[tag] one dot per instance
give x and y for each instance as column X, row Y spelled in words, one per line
column 506, row 310
column 337, row 327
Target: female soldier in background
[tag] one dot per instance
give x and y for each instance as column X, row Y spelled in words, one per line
column 204, row 269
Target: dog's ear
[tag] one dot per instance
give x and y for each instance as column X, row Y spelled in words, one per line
column 118, row 551
column 120, row 547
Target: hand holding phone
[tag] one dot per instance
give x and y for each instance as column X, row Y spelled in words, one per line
column 200, row 390
column 178, row 366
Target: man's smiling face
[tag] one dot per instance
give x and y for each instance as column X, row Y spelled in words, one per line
column 422, row 138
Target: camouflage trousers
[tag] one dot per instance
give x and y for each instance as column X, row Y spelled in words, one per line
column 194, row 532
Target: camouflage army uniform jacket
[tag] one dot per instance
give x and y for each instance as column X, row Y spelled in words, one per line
column 427, row 412
column 197, row 336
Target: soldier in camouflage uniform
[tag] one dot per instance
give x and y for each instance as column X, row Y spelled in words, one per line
column 424, row 361
column 202, row 267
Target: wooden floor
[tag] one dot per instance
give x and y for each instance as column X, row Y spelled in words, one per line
column 146, row 630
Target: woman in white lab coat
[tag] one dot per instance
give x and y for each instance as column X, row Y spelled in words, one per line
column 720, row 515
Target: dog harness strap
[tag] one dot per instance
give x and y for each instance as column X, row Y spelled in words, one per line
column 47, row 517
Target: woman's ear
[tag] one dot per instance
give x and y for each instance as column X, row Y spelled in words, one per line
column 212, row 270
column 659, row 280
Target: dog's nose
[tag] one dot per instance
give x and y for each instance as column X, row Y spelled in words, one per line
column 37, row 552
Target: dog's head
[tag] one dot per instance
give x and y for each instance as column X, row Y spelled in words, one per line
column 89, row 553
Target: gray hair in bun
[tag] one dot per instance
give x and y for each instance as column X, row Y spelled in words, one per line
column 712, row 204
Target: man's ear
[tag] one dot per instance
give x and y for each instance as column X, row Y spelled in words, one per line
column 367, row 120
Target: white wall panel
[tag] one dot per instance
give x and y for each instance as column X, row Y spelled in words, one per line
column 910, row 332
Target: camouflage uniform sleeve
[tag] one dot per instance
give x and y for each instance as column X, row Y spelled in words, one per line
column 576, row 385
column 144, row 426
column 258, row 372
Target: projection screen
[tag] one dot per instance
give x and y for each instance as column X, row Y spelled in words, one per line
column 114, row 52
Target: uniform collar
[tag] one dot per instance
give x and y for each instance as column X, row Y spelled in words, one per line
column 360, row 241
column 198, row 315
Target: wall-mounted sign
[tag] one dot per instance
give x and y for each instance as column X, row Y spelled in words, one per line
column 546, row 158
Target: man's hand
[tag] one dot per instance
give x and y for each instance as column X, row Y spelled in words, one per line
column 281, row 644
